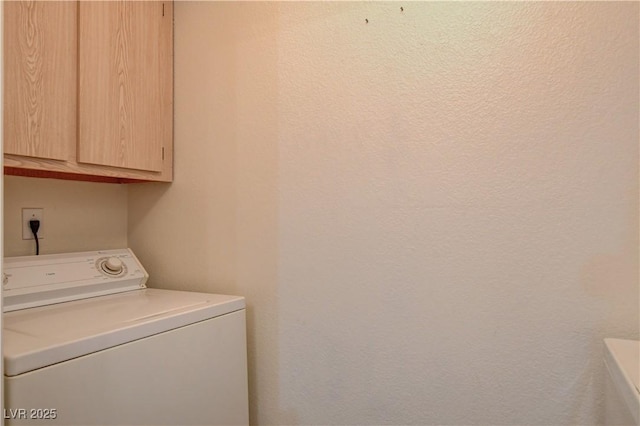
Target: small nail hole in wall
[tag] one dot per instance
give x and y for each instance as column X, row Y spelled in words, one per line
column 366, row 20
column 401, row 9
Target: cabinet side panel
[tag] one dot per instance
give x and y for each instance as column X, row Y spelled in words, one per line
column 166, row 88
column 40, row 65
column 121, row 105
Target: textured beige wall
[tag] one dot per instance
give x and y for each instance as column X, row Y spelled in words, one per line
column 78, row 216
column 433, row 215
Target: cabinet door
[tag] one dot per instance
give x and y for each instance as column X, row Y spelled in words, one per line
column 125, row 107
column 40, row 78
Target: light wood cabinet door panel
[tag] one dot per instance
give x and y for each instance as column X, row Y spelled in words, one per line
column 125, row 88
column 40, row 69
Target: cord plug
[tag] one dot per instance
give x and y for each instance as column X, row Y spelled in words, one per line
column 35, row 226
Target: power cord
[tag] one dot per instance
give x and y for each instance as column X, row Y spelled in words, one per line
column 35, row 226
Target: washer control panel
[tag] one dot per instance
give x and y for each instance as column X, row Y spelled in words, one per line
column 31, row 281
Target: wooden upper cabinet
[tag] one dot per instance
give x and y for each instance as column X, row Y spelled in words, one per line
column 88, row 91
column 40, row 71
column 125, row 83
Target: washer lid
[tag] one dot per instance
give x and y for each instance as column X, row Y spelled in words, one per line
column 39, row 337
column 622, row 358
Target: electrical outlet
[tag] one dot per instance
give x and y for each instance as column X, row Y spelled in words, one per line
column 31, row 214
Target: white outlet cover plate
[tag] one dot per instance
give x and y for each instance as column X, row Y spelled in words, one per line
column 27, row 215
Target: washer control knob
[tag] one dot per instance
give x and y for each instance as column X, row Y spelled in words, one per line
column 113, row 265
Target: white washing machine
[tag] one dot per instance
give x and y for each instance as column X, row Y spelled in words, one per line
column 86, row 343
column 622, row 391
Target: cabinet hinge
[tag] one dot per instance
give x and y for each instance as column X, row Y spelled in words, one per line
column 163, row 153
